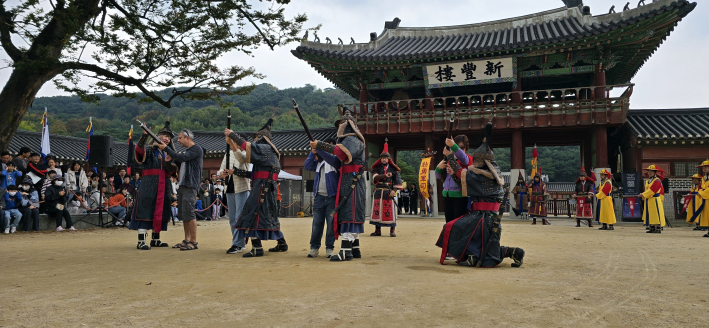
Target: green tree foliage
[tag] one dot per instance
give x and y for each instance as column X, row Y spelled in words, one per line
column 68, row 115
column 134, row 49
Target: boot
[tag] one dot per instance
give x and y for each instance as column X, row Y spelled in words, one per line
column 534, row 221
column 155, row 242
column 545, row 222
column 706, row 235
column 141, row 242
column 280, row 247
column 345, row 253
column 516, row 254
column 604, row 227
column 651, row 229
column 377, row 232
column 392, row 232
column 256, row 249
column 590, row 225
column 658, row 229
column 610, row 227
column 355, row 249
column 578, row 223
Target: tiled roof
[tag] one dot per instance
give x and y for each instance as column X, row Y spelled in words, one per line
column 65, row 148
column 558, row 25
column 288, row 142
column 670, row 123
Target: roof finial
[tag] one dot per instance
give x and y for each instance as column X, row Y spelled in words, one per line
column 339, row 41
column 627, row 6
column 352, row 40
column 612, row 10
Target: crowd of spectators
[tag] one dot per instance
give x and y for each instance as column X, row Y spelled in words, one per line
column 30, row 186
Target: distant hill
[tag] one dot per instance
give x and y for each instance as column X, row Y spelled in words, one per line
column 68, row 115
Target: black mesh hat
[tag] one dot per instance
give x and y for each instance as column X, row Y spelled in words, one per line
column 166, row 130
column 265, row 131
column 484, row 152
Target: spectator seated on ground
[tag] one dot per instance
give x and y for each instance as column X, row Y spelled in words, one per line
column 13, row 202
column 30, row 206
column 117, row 205
column 198, row 209
column 10, row 176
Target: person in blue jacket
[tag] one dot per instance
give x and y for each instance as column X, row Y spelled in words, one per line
column 13, row 201
column 326, row 167
column 10, row 176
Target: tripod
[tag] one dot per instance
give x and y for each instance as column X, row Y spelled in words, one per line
column 102, row 209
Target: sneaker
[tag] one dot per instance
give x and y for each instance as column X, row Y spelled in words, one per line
column 450, row 258
column 329, row 252
column 59, row 228
column 7, row 231
column 313, row 253
column 234, row 250
column 13, row 229
column 72, row 228
column 119, row 223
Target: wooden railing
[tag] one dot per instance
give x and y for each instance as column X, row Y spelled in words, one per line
column 468, row 109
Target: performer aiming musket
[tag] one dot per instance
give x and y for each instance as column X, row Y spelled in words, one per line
column 387, row 181
column 152, row 207
column 259, row 218
column 349, row 209
column 474, row 239
column 584, row 195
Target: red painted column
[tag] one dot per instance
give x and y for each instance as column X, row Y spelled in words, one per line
column 601, row 147
column 517, row 150
column 599, row 81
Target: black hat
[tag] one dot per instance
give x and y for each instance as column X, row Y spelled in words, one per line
column 265, row 131
column 484, row 152
column 166, row 130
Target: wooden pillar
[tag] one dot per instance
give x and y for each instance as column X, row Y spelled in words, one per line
column 587, row 154
column 601, row 147
column 363, row 98
column 599, row 81
column 517, row 150
column 428, row 142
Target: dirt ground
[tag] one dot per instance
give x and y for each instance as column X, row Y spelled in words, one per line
column 571, row 277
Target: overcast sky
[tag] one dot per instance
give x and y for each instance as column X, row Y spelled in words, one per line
column 675, row 76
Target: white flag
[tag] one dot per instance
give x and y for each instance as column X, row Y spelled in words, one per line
column 45, row 150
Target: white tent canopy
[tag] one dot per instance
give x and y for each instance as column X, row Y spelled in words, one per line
column 283, row 175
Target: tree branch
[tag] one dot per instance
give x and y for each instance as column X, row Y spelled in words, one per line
column 265, row 38
column 117, row 77
column 5, row 37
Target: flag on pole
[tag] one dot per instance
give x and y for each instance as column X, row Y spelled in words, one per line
column 44, row 148
column 534, row 161
column 130, row 150
column 90, row 130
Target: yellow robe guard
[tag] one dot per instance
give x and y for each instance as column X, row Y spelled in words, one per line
column 695, row 205
column 704, row 193
column 653, row 211
column 605, row 211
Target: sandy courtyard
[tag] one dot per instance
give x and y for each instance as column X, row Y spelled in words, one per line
column 571, row 277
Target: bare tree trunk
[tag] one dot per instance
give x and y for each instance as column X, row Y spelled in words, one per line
column 16, row 97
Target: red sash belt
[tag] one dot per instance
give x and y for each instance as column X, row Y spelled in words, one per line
column 264, row 175
column 350, row 169
column 482, row 206
column 153, row 172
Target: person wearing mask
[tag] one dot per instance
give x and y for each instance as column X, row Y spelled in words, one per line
column 10, row 176
column 13, row 201
column 327, row 175
column 4, row 159
column 118, row 205
column 30, row 206
column 22, row 159
column 76, row 181
column 56, row 198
